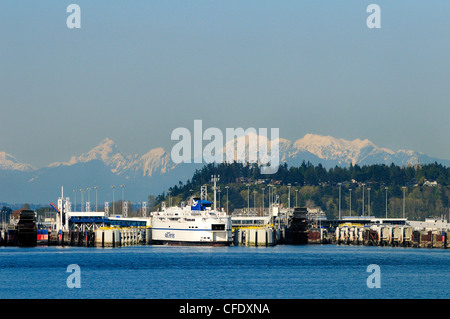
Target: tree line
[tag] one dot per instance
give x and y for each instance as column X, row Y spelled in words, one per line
column 315, row 186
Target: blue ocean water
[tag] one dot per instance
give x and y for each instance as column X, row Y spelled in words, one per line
column 280, row 272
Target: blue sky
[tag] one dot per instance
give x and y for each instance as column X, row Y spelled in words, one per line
column 137, row 70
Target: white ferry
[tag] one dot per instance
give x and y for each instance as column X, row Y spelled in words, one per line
column 196, row 224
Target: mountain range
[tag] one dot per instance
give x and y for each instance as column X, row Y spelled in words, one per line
column 154, row 172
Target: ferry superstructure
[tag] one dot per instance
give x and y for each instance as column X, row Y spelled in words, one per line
column 195, row 224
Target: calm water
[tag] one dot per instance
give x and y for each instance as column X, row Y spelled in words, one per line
column 279, row 272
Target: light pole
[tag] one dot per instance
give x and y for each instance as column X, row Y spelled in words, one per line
column 75, row 204
column 89, row 198
column 386, row 188
column 248, row 198
column 82, row 198
column 363, row 202
column 263, row 202
column 113, row 188
column 404, row 194
column 96, row 197
column 227, row 187
column 169, row 191
column 340, row 184
column 123, row 199
column 296, row 193
column 368, row 204
column 350, row 201
column 289, row 197
column 219, row 191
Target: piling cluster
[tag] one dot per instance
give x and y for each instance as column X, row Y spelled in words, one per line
column 382, row 235
column 125, row 236
column 101, row 237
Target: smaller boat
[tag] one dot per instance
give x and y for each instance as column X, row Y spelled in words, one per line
column 26, row 228
column 297, row 228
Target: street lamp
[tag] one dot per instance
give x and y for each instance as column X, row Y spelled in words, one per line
column 123, row 200
column 89, row 198
column 350, row 201
column 96, row 189
column 340, row 184
column 263, row 201
column 113, row 188
column 82, row 198
column 363, row 202
column 289, row 197
column 386, row 188
column 296, row 193
column 248, row 198
column 75, row 204
column 227, row 187
column 404, row 193
column 169, row 191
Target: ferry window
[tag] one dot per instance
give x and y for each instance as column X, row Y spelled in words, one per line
column 218, row 227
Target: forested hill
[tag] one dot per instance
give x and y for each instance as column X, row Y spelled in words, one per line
column 426, row 192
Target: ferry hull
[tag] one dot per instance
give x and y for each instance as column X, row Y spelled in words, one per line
column 190, row 237
column 189, row 243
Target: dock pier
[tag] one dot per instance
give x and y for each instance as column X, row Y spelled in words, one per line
column 256, row 236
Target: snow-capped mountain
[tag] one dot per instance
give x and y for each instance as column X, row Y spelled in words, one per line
column 361, row 152
column 8, row 162
column 154, row 171
column 156, row 161
column 327, row 150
